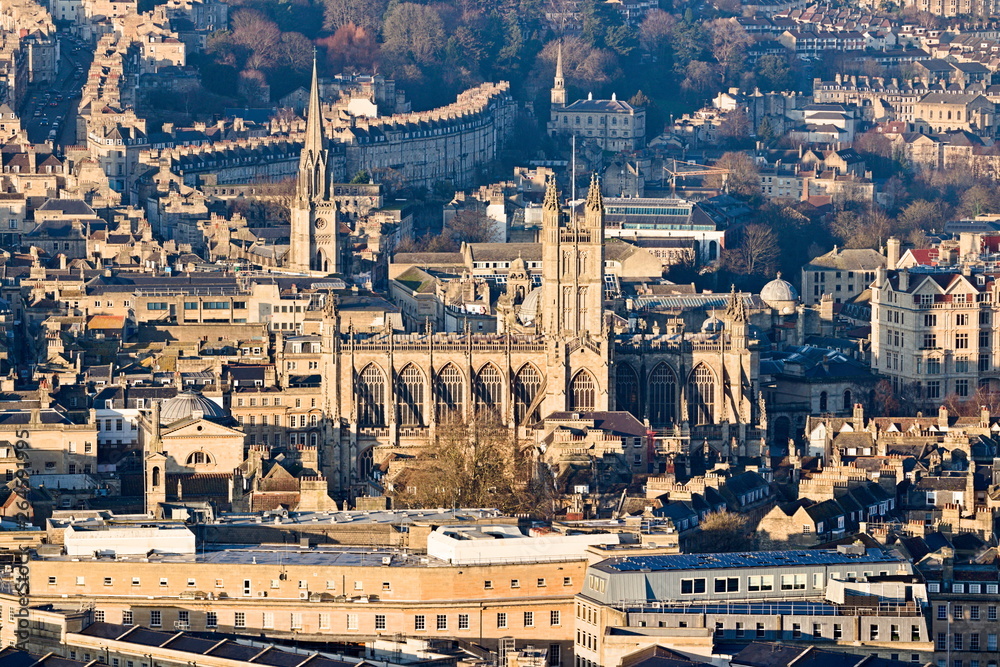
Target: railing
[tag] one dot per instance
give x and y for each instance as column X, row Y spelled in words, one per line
column 788, row 608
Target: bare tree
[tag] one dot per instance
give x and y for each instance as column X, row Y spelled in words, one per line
column 743, row 178
column 729, row 45
column 757, row 253
column 479, row 463
column 724, row 532
column 473, row 225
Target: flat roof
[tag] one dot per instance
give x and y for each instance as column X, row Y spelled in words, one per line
column 755, row 559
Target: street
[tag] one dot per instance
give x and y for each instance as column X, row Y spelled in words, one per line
column 49, row 112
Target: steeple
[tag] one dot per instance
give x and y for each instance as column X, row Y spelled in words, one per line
column 314, row 120
column 558, row 93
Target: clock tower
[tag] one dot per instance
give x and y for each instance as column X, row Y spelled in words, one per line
column 315, row 246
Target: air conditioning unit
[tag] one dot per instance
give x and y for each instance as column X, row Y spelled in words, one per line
column 303, row 595
column 262, row 594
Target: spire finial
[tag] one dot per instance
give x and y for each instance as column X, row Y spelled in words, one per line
column 551, row 201
column 595, row 202
column 559, row 65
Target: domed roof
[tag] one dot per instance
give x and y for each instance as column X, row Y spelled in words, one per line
column 779, row 294
column 713, row 324
column 529, row 307
column 186, row 405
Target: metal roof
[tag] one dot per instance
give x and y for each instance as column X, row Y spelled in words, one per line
column 737, row 560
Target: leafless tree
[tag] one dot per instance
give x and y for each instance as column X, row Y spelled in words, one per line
column 755, row 255
column 473, row 225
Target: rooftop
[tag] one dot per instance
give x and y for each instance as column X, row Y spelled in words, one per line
column 676, row 562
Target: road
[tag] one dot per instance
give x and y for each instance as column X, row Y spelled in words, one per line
column 52, row 106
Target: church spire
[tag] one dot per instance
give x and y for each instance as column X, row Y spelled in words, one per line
column 558, row 93
column 314, row 120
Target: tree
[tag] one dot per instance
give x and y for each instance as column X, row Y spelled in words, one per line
column 352, row 47
column 743, row 178
column 978, row 200
column 729, row 46
column 773, row 72
column 726, row 532
column 361, row 177
column 473, row 225
column 479, row 463
column 701, row 79
column 755, row 255
column 413, row 33
column 735, row 128
column 655, row 32
column 920, row 215
column 367, row 15
column 865, row 229
column 885, row 402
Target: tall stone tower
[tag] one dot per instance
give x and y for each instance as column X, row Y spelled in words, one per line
column 314, row 242
column 154, row 464
column 558, row 92
column 573, row 266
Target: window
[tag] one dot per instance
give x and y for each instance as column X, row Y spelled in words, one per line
column 501, row 620
column 991, row 613
column 98, row 615
column 380, row 621
column 107, row 581
column 958, row 612
column 962, row 341
column 554, row 617
column 727, row 584
column 958, row 641
column 760, row 583
column 529, row 619
column 268, row 623
column 838, row 631
column 52, row 581
column 352, row 621
column 793, row 582
column 419, row 622
column 739, row 630
column 974, row 641
column 163, row 581
column 155, row 618
column 942, row 612
column 760, row 631
column 295, row 620
column 488, row 584
column 941, row 643
column 463, row 621
column 567, row 581
column 441, row 622
column 211, row 619
column 692, row 586
column 240, row 619
column 991, row 642
column 540, row 583
column 515, row 583
column 127, row 617
column 324, row 621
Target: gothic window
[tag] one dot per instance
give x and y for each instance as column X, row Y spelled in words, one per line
column 701, row 396
column 822, row 401
column 450, row 395
column 410, row 396
column 371, row 397
column 489, row 390
column 156, row 476
column 366, row 462
column 527, row 384
column 582, row 392
column 662, row 396
column 627, row 390
column 848, row 403
column 583, row 263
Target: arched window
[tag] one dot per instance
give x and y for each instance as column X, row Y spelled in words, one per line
column 195, row 458
column 371, row 397
column 156, row 476
column 449, row 395
column 410, row 396
column 627, row 390
column 313, row 420
column 662, row 396
column 527, row 384
column 313, row 439
column 582, row 392
column 366, row 463
column 822, row 401
column 489, row 390
column 848, row 399
column 701, row 396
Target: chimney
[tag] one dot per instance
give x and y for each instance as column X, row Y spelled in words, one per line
column 892, row 248
column 858, row 417
column 904, row 280
column 984, row 416
column 942, row 419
